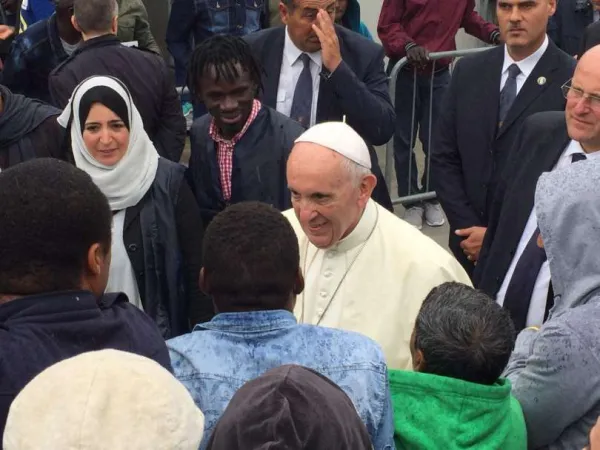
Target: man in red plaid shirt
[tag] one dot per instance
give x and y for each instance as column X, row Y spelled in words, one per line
column 240, row 148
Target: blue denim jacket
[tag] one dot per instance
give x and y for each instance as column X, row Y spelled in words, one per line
column 219, row 356
column 33, row 55
column 201, row 19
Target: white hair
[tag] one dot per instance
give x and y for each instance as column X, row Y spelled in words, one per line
column 355, row 171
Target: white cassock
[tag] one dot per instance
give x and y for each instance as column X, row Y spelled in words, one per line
column 373, row 281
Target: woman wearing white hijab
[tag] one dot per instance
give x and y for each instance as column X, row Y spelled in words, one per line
column 157, row 227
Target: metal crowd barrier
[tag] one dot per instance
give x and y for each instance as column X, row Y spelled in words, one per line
column 389, row 150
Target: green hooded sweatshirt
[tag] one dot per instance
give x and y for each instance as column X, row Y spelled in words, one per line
column 433, row 412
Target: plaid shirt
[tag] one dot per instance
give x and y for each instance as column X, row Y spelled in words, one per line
column 225, row 150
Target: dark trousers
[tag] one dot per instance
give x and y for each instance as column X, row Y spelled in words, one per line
column 426, row 102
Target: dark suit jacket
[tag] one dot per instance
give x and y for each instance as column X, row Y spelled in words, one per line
column 541, row 141
column 470, row 152
column 567, row 25
column 357, row 89
column 591, row 37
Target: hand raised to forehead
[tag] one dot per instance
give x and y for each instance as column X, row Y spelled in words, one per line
column 330, row 45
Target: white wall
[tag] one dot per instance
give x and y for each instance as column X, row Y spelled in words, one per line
column 370, row 9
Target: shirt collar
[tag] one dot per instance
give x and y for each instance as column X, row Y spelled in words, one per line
column 528, row 64
column 292, row 53
column 251, row 321
column 362, row 231
column 575, row 147
column 213, row 131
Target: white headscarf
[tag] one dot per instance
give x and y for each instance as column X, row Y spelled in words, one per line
column 125, row 183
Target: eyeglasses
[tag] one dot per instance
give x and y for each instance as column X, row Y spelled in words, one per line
column 574, row 93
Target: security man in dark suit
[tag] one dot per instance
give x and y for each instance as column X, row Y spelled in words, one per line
column 591, row 38
column 511, row 267
column 490, row 95
column 315, row 71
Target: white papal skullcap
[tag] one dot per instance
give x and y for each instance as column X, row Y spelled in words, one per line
column 341, row 138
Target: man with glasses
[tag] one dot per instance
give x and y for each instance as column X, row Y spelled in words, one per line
column 513, row 267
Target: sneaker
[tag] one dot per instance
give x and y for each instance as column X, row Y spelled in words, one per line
column 187, row 108
column 414, row 216
column 434, row 215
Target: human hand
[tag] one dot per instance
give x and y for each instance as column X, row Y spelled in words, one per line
column 330, row 44
column 418, row 55
column 6, row 32
column 473, row 241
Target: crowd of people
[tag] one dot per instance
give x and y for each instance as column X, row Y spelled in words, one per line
column 263, row 293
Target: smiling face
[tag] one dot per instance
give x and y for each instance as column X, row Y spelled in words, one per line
column 228, row 101
column 105, row 135
column 327, row 201
column 300, row 17
column 523, row 24
column 583, row 113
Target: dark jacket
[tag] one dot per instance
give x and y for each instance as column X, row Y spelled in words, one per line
column 537, row 148
column 33, row 55
column 351, row 20
column 567, row 25
column 134, row 25
column 469, row 151
column 259, row 163
column 163, row 237
column 28, row 130
column 357, row 90
column 591, row 38
column 146, row 76
column 41, row 330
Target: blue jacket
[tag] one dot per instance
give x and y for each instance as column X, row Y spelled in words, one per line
column 41, row 330
column 567, row 26
column 33, row 11
column 351, row 20
column 33, row 55
column 219, row 356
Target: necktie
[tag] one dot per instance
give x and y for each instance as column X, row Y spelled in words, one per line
column 509, row 92
column 520, row 289
column 302, row 103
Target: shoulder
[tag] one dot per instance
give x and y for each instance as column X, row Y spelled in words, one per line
column 481, row 58
column 542, row 122
column 357, row 43
column 200, row 126
column 563, row 61
column 259, row 38
column 289, row 126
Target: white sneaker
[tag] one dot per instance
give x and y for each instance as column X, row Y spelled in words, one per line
column 434, row 215
column 414, row 216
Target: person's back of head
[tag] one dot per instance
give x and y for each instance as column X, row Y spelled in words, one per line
column 95, row 17
column 104, row 400
column 251, row 260
column 56, row 230
column 462, row 333
column 290, row 407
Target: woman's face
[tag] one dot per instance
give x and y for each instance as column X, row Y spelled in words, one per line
column 105, row 135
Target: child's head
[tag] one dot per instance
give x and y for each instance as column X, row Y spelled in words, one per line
column 462, row 333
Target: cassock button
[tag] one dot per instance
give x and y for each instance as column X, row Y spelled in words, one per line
column 328, row 274
column 323, row 294
column 320, row 312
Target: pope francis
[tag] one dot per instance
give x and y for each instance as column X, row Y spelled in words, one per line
column 366, row 270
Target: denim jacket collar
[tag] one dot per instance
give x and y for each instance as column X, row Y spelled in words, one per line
column 252, row 321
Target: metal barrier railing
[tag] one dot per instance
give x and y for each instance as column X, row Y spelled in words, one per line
column 389, row 150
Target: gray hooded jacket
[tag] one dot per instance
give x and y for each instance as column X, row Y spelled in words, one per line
column 555, row 371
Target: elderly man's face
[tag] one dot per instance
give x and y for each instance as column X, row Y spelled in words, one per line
column 327, row 201
column 582, row 111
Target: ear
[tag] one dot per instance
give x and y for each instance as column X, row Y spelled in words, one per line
column 419, row 361
column 115, row 25
column 75, row 24
column 203, row 282
column 283, row 13
column 299, row 283
column 551, row 7
column 96, row 258
column 367, row 185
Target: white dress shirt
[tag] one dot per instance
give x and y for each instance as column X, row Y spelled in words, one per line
column 291, row 68
column 525, row 65
column 537, row 307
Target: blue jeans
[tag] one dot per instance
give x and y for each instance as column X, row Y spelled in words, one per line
column 403, row 134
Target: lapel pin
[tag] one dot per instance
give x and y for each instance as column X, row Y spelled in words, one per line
column 541, row 81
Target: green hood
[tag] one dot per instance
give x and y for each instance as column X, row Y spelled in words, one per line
column 433, row 412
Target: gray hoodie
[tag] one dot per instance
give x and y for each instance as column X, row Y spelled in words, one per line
column 556, row 371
